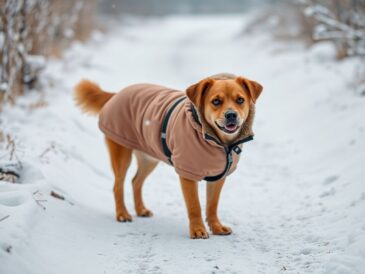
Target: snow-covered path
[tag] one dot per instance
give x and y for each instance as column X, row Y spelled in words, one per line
column 296, row 203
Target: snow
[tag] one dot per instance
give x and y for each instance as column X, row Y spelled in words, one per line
column 3, row 87
column 296, row 203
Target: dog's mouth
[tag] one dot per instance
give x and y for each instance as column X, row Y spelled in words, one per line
column 229, row 128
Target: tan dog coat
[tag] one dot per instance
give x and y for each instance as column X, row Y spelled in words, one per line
column 133, row 118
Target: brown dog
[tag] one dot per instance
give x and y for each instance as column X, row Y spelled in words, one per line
column 201, row 136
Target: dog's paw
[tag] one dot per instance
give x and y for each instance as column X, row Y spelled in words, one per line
column 218, row 229
column 144, row 212
column 198, row 232
column 124, row 217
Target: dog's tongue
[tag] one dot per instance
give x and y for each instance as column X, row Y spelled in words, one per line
column 231, row 127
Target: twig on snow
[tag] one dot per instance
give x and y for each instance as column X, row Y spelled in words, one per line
column 48, row 149
column 57, row 196
column 3, row 218
column 39, row 201
column 11, row 146
column 60, row 197
column 8, row 249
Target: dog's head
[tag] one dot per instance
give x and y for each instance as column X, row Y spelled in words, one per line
column 224, row 103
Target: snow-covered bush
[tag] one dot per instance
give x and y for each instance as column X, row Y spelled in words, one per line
column 30, row 31
column 342, row 22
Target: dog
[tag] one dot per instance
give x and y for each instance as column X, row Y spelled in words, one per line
column 200, row 132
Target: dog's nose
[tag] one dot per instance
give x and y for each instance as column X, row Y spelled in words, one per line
column 231, row 115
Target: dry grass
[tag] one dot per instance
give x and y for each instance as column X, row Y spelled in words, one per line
column 42, row 28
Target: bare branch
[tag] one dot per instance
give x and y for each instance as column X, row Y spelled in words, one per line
column 4, row 218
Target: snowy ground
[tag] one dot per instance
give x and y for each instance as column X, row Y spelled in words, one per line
column 296, row 203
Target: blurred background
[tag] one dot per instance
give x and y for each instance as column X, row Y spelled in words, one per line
column 33, row 30
column 165, row 7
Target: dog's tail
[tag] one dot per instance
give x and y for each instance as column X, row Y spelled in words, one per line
column 90, row 97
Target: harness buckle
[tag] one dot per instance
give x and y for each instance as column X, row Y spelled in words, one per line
column 237, row 149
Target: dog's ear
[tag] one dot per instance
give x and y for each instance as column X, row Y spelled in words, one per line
column 253, row 87
column 197, row 91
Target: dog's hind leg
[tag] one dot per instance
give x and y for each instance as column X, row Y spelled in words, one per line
column 120, row 157
column 146, row 165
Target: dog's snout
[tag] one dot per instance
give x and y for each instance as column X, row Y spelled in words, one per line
column 231, row 115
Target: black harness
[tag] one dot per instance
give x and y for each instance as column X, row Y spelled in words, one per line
column 164, row 129
column 228, row 150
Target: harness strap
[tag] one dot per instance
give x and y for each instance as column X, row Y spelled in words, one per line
column 229, row 159
column 165, row 122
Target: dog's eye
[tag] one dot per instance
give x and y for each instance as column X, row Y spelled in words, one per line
column 240, row 100
column 216, row 102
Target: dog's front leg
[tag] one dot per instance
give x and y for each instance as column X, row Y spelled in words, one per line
column 213, row 193
column 191, row 197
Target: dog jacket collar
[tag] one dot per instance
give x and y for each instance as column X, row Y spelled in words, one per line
column 228, row 149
